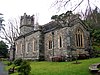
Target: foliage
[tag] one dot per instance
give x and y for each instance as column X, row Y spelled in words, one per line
column 97, row 47
column 96, row 50
column 18, row 61
column 93, row 21
column 24, row 68
column 9, row 63
column 3, row 49
column 62, row 17
column 96, row 36
column 65, row 19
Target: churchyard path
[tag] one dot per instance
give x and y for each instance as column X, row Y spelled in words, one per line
column 2, row 71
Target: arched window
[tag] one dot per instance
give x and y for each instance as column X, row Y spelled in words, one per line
column 50, row 44
column 26, row 46
column 16, row 47
column 34, row 45
column 79, row 38
column 60, row 42
column 29, row 46
column 21, row 48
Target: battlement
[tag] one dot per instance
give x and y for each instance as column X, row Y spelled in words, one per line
column 27, row 20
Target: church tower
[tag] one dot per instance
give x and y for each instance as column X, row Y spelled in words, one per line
column 26, row 24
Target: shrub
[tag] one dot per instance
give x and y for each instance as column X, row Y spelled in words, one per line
column 11, row 70
column 24, row 68
column 9, row 63
column 18, row 62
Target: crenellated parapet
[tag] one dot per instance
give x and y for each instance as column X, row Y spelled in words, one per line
column 27, row 20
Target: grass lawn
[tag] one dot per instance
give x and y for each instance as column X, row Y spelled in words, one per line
column 62, row 68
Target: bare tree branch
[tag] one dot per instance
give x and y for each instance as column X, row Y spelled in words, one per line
column 11, row 32
column 78, row 5
column 60, row 4
column 66, row 2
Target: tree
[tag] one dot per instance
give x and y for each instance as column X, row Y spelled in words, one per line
column 62, row 17
column 92, row 19
column 10, row 32
column 65, row 18
column 3, row 49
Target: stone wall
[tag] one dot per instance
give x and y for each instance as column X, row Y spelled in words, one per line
column 85, row 34
column 86, row 42
column 56, row 50
column 32, row 53
column 68, row 36
column 26, row 29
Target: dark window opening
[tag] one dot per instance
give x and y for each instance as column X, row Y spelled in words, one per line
column 50, row 44
column 60, row 41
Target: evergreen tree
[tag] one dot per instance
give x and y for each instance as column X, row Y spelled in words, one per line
column 3, row 49
column 93, row 21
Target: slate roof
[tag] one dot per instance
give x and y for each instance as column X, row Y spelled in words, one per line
column 55, row 25
column 50, row 26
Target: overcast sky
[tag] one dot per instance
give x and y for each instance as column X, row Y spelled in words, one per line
column 16, row 8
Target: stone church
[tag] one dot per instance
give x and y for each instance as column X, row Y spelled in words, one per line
column 42, row 42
